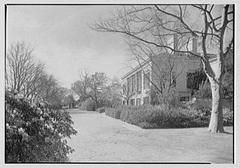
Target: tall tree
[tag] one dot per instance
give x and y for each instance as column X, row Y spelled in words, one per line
column 91, row 86
column 81, row 86
column 23, row 73
column 98, row 83
column 211, row 25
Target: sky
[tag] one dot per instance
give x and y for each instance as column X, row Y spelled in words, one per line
column 63, row 41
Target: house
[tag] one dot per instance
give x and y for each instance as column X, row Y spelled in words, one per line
column 172, row 70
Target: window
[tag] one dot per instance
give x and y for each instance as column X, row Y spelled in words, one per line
column 194, row 79
column 146, row 81
column 146, row 100
column 132, row 102
column 123, row 102
column 173, row 80
column 191, row 84
column 128, row 84
column 139, row 82
column 185, row 98
column 133, row 83
column 138, row 103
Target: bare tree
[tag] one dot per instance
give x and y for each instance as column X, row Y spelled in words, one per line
column 97, row 86
column 81, row 87
column 126, row 94
column 22, row 73
column 91, row 86
column 211, row 24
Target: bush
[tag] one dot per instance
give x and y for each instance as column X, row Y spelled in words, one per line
column 148, row 116
column 202, row 106
column 35, row 132
column 227, row 117
column 88, row 105
column 113, row 112
column 204, row 90
column 169, row 99
column 101, row 110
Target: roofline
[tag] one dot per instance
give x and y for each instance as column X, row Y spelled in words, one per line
column 148, row 60
column 135, row 69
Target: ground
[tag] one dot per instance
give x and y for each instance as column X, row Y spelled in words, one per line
column 102, row 138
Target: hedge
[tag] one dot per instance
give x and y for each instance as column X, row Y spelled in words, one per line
column 148, row 116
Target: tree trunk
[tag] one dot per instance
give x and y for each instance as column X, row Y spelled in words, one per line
column 216, row 121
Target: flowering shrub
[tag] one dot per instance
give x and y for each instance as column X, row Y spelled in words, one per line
column 36, row 132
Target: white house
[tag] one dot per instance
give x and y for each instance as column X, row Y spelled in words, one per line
column 140, row 80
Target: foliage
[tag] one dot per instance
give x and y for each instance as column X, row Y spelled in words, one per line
column 169, row 98
column 112, row 94
column 36, row 132
column 202, row 105
column 113, row 112
column 101, row 110
column 160, row 116
column 88, row 105
column 228, row 76
column 29, row 78
column 69, row 101
column 227, row 116
column 204, row 90
column 196, row 78
column 23, row 74
column 98, row 88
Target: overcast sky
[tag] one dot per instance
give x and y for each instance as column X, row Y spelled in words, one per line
column 62, row 39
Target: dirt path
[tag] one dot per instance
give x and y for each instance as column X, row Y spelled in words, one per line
column 101, row 138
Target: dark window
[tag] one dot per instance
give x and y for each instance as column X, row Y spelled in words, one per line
column 133, row 83
column 194, row 79
column 132, row 102
column 138, row 102
column 146, row 82
column 129, row 84
column 184, row 98
column 173, row 84
column 139, row 82
column 146, row 100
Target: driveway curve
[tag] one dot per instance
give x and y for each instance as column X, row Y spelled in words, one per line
column 102, row 138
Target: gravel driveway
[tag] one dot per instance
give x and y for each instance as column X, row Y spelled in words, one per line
column 101, row 138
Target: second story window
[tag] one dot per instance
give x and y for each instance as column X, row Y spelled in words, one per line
column 139, row 82
column 173, row 80
column 128, row 84
column 194, row 79
column 146, row 82
column 133, row 83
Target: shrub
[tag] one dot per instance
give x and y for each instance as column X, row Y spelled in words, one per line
column 227, row 117
column 202, row 106
column 148, row 116
column 161, row 116
column 204, row 90
column 169, row 99
column 113, row 112
column 35, row 132
column 88, row 105
column 101, row 110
